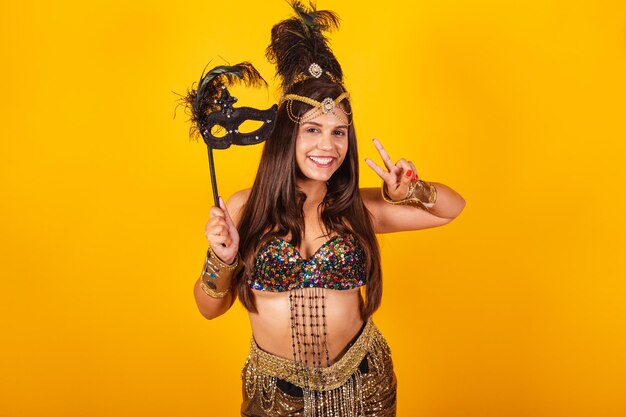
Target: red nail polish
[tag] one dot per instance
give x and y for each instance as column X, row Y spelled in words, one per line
column 409, row 173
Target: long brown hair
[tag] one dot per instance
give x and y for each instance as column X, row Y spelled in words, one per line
column 275, row 205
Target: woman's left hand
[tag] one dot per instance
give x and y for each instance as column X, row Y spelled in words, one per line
column 398, row 176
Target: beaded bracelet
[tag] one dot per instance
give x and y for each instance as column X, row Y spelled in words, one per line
column 411, row 199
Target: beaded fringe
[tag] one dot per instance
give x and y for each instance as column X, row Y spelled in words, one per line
column 346, row 400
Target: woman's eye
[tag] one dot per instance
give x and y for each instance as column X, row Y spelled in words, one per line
column 340, row 133
column 311, row 130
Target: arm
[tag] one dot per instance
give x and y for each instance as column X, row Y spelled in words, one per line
column 397, row 178
column 389, row 218
column 221, row 232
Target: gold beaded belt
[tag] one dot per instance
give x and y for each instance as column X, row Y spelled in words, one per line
column 320, row 379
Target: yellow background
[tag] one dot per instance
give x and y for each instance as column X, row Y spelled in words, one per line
column 517, row 308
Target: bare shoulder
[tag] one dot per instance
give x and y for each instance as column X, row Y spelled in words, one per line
column 238, row 199
column 236, row 202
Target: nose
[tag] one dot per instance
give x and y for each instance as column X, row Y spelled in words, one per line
column 325, row 141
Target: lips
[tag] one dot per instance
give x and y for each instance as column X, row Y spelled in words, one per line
column 322, row 161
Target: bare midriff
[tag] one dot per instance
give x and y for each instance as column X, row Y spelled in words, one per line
column 272, row 325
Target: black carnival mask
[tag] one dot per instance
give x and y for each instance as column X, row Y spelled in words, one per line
column 210, row 105
column 230, row 118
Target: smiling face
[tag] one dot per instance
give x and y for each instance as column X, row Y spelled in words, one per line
column 321, row 147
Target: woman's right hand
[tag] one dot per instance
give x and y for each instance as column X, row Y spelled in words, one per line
column 222, row 233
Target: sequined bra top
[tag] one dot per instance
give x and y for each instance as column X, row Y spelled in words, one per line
column 338, row 264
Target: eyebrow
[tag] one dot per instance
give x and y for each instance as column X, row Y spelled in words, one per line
column 320, row 125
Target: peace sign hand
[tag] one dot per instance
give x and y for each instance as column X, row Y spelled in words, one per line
column 398, row 176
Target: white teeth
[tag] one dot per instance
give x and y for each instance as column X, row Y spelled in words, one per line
column 321, row 161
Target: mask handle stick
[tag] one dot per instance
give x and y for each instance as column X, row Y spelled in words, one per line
column 213, row 179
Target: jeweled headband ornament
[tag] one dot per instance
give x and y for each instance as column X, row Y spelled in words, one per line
column 326, row 106
column 315, row 71
column 210, row 106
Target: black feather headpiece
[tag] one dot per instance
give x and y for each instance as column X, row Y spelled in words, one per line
column 299, row 42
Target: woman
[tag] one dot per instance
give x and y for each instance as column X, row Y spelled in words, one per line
column 298, row 247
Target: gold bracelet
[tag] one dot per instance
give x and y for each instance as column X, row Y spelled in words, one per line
column 209, row 285
column 211, row 255
column 411, row 199
column 213, row 265
column 432, row 194
column 211, row 292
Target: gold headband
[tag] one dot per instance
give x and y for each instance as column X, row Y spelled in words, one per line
column 326, row 106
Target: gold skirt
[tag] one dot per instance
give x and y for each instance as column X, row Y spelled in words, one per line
column 361, row 383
